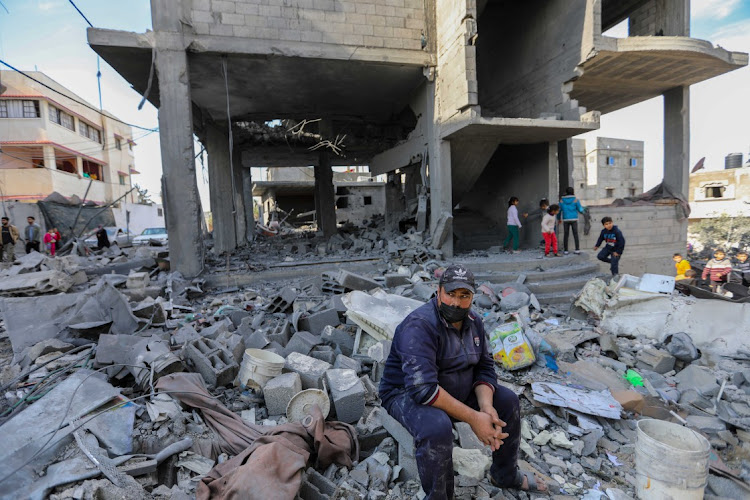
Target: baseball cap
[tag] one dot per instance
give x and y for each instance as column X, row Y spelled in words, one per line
column 457, row 276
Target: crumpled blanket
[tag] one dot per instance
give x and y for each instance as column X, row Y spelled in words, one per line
column 269, row 460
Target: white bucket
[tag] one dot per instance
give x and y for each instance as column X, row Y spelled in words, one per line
column 258, row 367
column 671, row 461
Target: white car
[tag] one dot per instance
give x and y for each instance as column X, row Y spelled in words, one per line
column 152, row 236
column 115, row 235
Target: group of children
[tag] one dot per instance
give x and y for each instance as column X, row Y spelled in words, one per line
column 718, row 270
column 566, row 213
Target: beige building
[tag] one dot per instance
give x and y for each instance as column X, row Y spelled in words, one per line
column 605, row 169
column 49, row 142
column 716, row 192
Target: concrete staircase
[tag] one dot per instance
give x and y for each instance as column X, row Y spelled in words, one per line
column 553, row 281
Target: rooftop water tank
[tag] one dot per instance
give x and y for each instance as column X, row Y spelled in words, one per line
column 733, row 160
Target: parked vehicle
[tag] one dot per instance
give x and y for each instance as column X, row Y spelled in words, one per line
column 117, row 235
column 152, row 236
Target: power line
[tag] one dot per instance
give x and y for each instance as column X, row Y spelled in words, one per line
column 82, row 103
column 79, row 11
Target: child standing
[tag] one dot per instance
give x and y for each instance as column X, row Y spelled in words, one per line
column 614, row 244
column 717, row 269
column 514, row 224
column 548, row 230
column 571, row 207
column 742, row 268
column 49, row 241
column 681, row 265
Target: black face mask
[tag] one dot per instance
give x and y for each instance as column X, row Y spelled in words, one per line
column 453, row 314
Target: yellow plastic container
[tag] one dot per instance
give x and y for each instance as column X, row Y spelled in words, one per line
column 510, row 347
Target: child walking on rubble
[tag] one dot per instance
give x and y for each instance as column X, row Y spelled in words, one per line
column 514, row 224
column 614, row 244
column 717, row 269
column 548, row 230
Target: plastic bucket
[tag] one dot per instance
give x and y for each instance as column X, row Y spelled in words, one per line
column 671, row 461
column 258, row 367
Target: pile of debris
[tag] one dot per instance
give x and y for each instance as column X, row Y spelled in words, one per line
column 142, row 384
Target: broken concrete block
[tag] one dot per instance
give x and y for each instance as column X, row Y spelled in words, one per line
column 46, row 347
column 331, row 284
column 630, row 400
column 184, row 335
column 310, row 370
column 470, row 463
column 279, row 391
column 213, row 361
column 398, row 432
column 346, row 362
column 324, row 353
column 394, row 280
column 216, row 329
column 316, row 322
column 351, row 281
column 514, row 301
column 707, row 424
column 234, row 344
column 423, row 291
column 339, row 337
column 697, row 378
column 283, row 301
column 302, row 342
column 138, row 280
column 316, row 486
column 256, row 340
column 348, row 394
column 655, row 360
column 467, row 438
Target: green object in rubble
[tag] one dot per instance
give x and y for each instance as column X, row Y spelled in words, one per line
column 634, row 378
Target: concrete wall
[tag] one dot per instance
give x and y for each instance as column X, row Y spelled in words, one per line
column 734, row 185
column 392, row 24
column 357, row 210
column 525, row 52
column 456, row 71
column 141, row 216
column 661, row 17
column 528, row 172
column 652, row 235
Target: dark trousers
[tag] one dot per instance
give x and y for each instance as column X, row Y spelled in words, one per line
column 32, row 245
column 571, row 224
column 432, row 430
column 605, row 255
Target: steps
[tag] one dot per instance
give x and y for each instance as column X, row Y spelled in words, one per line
column 553, row 281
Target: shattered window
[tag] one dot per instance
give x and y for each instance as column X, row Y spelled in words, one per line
column 715, row 192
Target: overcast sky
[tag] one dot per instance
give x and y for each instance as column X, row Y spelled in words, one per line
column 50, row 36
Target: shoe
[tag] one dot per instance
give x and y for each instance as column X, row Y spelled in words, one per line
column 516, row 251
column 557, row 255
column 565, row 252
column 577, row 252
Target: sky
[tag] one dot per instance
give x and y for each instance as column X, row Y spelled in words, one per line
column 50, row 36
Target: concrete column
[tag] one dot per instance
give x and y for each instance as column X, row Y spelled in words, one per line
column 49, row 158
column 439, row 172
column 325, row 197
column 220, row 188
column 181, row 201
column 677, row 138
column 240, row 225
column 565, row 164
column 247, row 196
column 672, row 17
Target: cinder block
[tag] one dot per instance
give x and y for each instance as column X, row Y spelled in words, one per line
column 277, row 330
column 302, row 342
column 310, row 370
column 316, row 486
column 351, row 281
column 213, row 361
column 347, row 393
column 316, row 322
column 138, row 280
column 400, row 434
column 331, row 284
column 279, row 391
column 234, row 344
column 283, row 301
column 324, row 353
column 348, row 363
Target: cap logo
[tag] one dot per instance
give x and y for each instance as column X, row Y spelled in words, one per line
column 460, row 274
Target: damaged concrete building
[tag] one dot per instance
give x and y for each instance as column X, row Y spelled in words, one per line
column 471, row 102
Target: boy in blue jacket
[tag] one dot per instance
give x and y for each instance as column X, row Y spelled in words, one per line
column 614, row 244
column 570, row 207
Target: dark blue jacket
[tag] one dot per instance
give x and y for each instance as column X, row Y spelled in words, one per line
column 613, row 237
column 427, row 352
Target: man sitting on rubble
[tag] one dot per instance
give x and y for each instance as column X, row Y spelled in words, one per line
column 439, row 371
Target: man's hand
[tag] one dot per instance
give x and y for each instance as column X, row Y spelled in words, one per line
column 615, row 254
column 489, row 429
column 596, row 248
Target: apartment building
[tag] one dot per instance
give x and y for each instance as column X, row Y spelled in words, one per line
column 605, row 169
column 52, row 140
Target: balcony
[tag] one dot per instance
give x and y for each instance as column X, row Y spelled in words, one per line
column 36, row 183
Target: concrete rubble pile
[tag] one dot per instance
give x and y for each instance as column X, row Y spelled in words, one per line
column 84, row 413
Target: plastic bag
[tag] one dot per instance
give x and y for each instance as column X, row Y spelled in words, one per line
column 510, row 346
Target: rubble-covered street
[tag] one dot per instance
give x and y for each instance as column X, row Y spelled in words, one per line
column 121, row 379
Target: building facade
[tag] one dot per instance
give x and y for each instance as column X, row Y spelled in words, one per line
column 473, row 101
column 718, row 192
column 605, row 169
column 50, row 142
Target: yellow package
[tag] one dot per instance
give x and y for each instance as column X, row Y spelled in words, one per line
column 510, row 347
